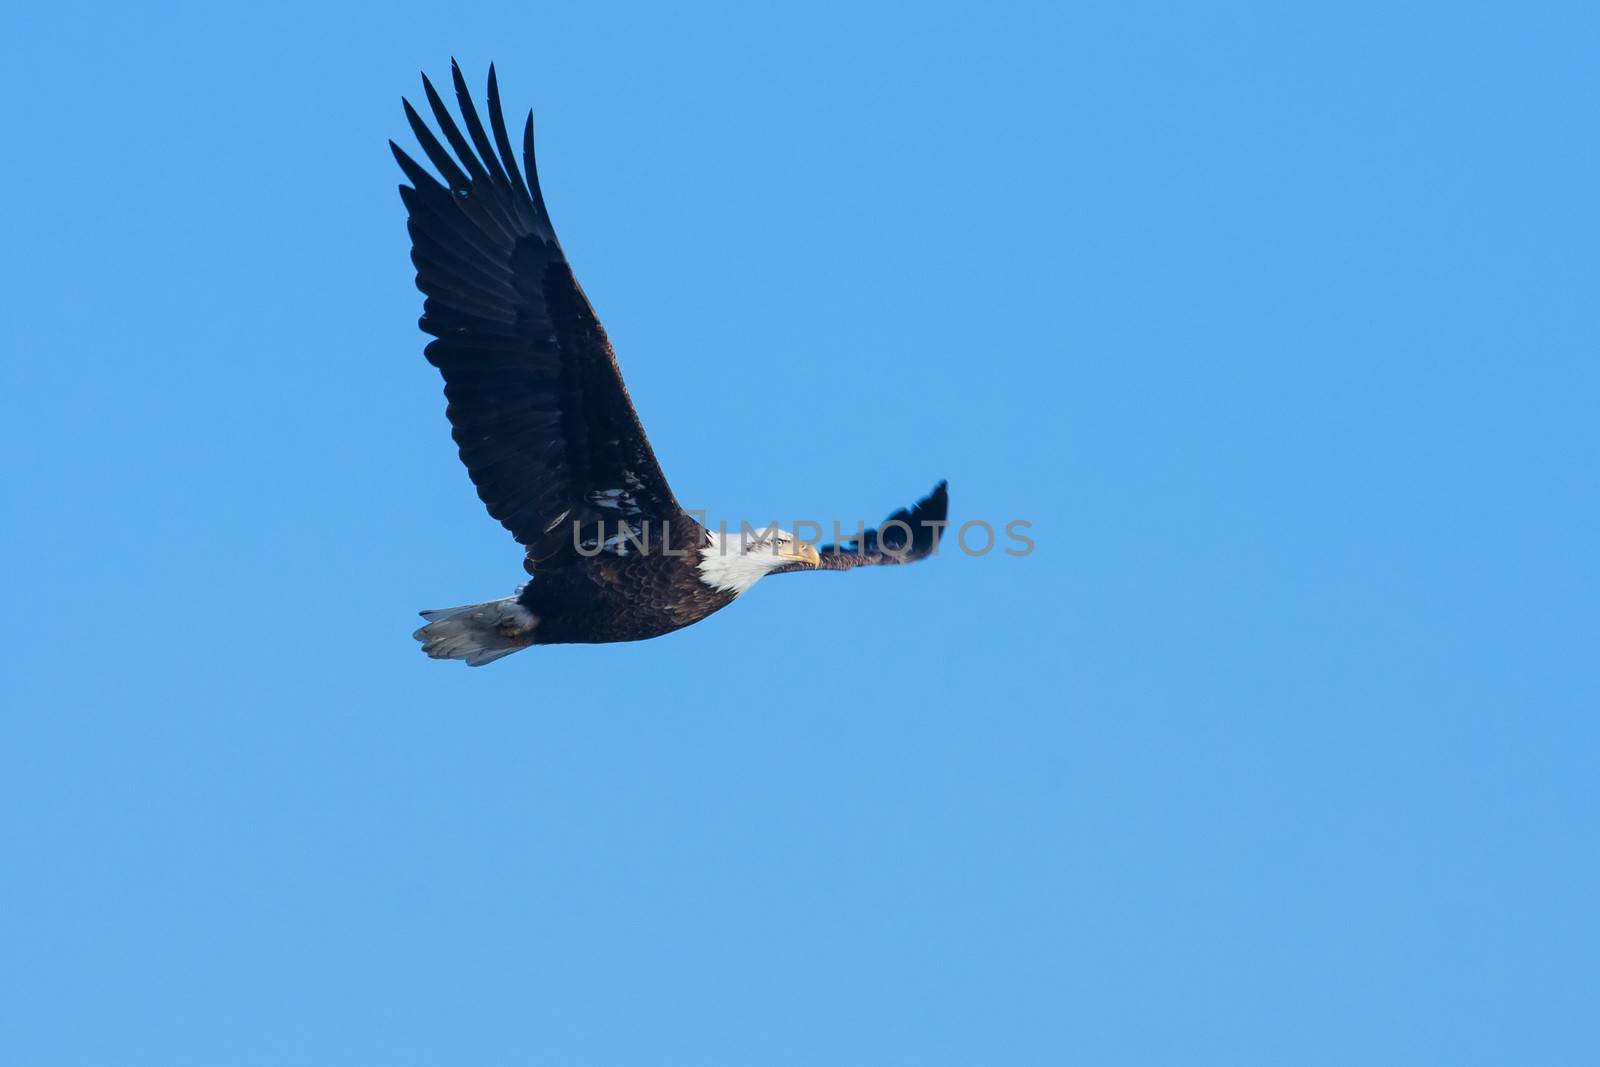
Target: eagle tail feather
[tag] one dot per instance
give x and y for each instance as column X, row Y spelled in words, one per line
column 477, row 633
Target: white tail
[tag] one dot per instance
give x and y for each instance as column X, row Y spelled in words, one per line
column 477, row 633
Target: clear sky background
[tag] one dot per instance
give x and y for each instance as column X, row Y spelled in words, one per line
column 1280, row 749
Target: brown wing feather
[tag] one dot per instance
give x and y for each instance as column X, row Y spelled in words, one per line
column 906, row 536
column 536, row 401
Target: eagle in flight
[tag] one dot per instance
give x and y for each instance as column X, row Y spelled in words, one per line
column 547, row 431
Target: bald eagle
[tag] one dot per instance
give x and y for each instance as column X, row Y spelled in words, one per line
column 547, row 431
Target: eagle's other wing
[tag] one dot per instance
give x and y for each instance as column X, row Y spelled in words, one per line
column 906, row 536
column 536, row 402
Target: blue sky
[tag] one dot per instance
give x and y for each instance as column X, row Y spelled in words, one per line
column 1280, row 328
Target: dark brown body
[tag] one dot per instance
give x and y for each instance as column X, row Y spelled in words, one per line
column 618, row 598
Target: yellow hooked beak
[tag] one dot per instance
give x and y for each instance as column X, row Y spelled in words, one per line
column 803, row 554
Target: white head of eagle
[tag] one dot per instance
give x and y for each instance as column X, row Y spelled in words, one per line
column 732, row 563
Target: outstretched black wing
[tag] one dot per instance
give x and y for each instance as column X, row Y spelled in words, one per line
column 906, row 536
column 536, row 402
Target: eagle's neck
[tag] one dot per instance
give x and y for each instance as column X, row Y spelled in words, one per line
column 729, row 566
